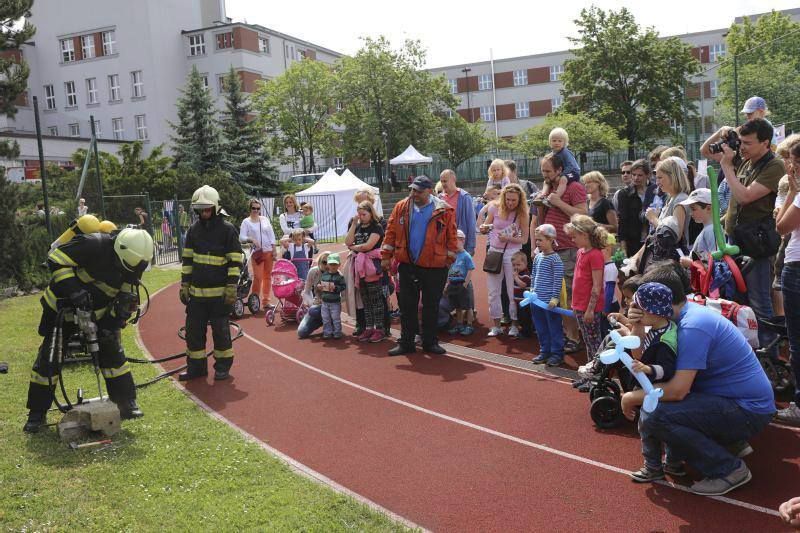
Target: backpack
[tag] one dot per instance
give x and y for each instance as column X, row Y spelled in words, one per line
column 742, row 316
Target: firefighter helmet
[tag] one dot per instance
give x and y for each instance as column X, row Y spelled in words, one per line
column 107, row 226
column 134, row 247
column 205, row 197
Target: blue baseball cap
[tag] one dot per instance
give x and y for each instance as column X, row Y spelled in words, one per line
column 754, row 103
column 654, row 298
column 420, row 183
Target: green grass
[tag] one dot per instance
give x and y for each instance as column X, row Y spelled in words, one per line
column 176, row 469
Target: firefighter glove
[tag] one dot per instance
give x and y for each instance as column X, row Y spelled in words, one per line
column 230, row 294
column 184, row 294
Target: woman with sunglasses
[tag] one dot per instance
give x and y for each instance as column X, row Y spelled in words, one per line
column 257, row 230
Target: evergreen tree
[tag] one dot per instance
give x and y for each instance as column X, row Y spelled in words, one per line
column 244, row 152
column 196, row 142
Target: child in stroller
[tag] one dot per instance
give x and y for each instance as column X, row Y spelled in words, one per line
column 287, row 287
column 243, row 285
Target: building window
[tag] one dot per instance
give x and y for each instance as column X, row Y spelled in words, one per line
column 555, row 72
column 138, row 84
column 716, row 52
column 87, row 46
column 713, row 88
column 676, row 126
column 49, row 97
column 116, row 125
column 75, row 130
column 556, row 102
column 97, row 132
column 72, row 95
column 197, row 45
column 221, row 84
column 301, row 54
column 109, row 43
column 485, row 82
column 487, row 113
column 91, row 91
column 522, row 110
column 113, row 88
column 204, row 77
column 67, row 50
column 141, row 127
column 224, row 40
column 263, row 45
column 449, row 113
column 453, row 86
column 52, row 131
column 520, row 77
column 339, row 106
column 338, row 161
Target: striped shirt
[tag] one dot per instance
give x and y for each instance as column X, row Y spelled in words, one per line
column 547, row 275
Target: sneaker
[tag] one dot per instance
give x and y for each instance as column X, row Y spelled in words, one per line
column 647, row 475
column 513, row 331
column 555, row 361
column 722, row 485
column 455, row 330
column 418, row 340
column 505, row 320
column 401, row 350
column 540, row 359
column 586, row 386
column 495, row 332
column 467, row 330
column 377, row 336
column 326, row 336
column 676, row 470
column 740, row 449
column 358, row 332
column 366, row 336
column 338, row 335
column 589, row 369
column 790, row 415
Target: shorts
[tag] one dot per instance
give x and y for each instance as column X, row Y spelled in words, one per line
column 568, row 257
column 458, row 296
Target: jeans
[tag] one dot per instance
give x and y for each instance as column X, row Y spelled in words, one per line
column 549, row 330
column 413, row 281
column 697, row 429
column 310, row 323
column 790, row 285
column 331, row 318
column 759, row 295
column 495, row 286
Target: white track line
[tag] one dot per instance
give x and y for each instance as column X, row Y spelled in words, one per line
column 493, row 432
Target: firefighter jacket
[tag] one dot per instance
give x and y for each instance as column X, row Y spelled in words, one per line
column 89, row 262
column 212, row 257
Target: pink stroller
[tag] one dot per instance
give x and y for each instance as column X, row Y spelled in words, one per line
column 287, row 287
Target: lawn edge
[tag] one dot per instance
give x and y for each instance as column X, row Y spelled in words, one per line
column 295, row 465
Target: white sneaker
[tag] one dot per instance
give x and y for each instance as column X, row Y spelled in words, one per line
column 513, row 331
column 495, row 332
column 790, row 415
column 418, row 339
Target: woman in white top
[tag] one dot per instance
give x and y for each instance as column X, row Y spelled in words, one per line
column 257, row 230
column 290, row 218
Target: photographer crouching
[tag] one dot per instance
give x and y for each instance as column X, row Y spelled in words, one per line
column 752, row 171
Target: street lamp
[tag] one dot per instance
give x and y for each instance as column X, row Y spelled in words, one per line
column 466, row 71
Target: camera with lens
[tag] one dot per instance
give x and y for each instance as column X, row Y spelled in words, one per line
column 731, row 139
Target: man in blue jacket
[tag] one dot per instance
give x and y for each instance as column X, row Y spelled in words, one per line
column 462, row 202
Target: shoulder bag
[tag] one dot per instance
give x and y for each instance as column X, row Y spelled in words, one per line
column 758, row 238
column 493, row 264
column 258, row 255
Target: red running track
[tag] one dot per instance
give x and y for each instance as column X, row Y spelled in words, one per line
column 458, row 445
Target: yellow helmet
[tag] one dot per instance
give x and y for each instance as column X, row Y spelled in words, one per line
column 87, row 224
column 134, row 247
column 107, row 226
column 205, row 197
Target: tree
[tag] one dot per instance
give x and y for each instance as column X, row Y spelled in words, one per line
column 196, row 142
column 627, row 77
column 461, row 140
column 244, row 150
column 768, row 65
column 389, row 101
column 585, row 135
column 295, row 108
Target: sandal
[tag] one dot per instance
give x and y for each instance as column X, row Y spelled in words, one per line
column 572, row 346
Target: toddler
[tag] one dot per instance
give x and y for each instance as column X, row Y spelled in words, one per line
column 610, row 276
column 547, row 275
column 458, row 283
column 522, row 282
column 497, row 175
column 299, row 250
column 559, row 140
column 331, row 286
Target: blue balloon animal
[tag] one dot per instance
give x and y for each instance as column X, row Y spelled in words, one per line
column 529, row 297
column 609, row 357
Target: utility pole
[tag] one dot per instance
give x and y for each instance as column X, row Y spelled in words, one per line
column 736, row 88
column 42, row 171
column 97, row 168
column 466, row 71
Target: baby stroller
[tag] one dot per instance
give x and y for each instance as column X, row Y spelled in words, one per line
column 287, row 287
column 243, row 285
column 605, row 394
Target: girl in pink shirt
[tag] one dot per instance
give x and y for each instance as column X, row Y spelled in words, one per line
column 587, row 283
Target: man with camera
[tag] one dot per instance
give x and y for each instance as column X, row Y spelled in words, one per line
column 752, row 172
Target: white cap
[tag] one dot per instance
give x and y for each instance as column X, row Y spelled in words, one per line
column 460, row 235
column 698, row 196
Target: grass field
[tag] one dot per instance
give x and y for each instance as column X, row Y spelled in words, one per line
column 176, row 469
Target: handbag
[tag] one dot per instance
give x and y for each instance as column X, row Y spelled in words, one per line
column 757, row 238
column 258, row 257
column 493, row 263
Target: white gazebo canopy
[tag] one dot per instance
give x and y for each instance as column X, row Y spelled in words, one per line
column 411, row 157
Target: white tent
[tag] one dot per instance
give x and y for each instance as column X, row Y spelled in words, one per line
column 411, row 157
column 332, row 198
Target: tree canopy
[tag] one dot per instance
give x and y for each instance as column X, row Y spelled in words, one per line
column 461, row 140
column 585, row 135
column 13, row 68
column 626, row 76
column 768, row 64
column 196, row 142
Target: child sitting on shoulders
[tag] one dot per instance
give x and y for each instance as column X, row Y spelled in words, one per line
column 547, row 275
column 522, row 282
column 559, row 140
column 657, row 362
column 458, row 282
column 331, row 286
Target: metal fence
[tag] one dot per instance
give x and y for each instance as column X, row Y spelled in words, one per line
column 324, row 213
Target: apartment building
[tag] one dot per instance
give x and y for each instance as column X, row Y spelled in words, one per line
column 516, row 93
column 124, row 63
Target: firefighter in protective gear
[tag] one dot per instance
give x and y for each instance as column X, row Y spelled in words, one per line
column 96, row 272
column 212, row 259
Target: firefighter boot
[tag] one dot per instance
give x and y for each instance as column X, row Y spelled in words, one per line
column 36, row 419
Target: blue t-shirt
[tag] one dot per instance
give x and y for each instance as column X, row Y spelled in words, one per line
column 726, row 365
column 417, row 227
column 460, row 267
